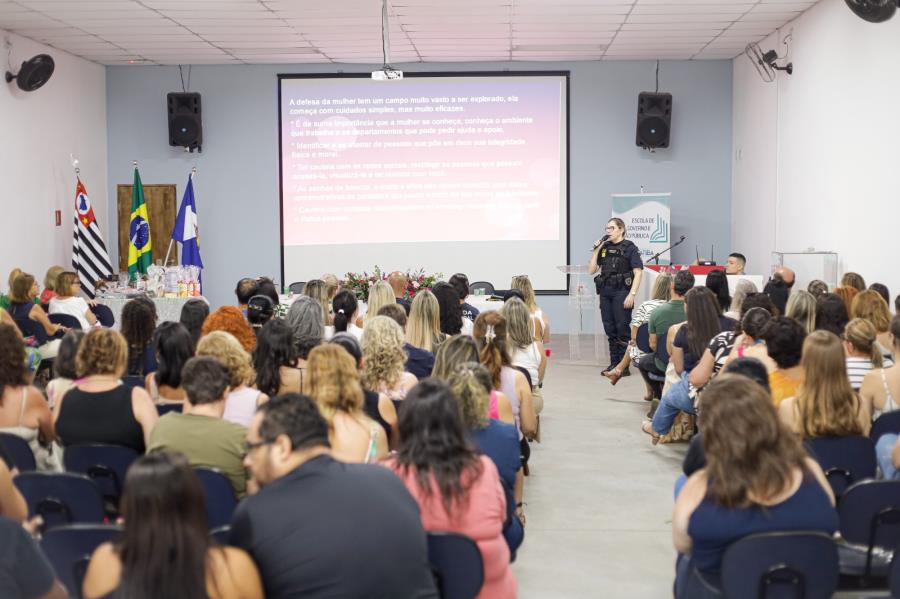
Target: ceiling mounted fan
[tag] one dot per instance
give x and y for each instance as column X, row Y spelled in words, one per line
column 766, row 63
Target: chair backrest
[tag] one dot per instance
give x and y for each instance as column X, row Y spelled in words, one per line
column 643, row 338
column 781, row 564
column 481, row 288
column 133, row 380
column 889, row 422
column 845, row 460
column 31, row 328
column 105, row 464
column 221, row 534
column 66, row 320
column 869, row 514
column 60, row 498
column 19, row 452
column 164, row 408
column 894, row 575
column 457, row 565
column 104, row 315
column 220, row 498
column 69, row 548
column 297, row 287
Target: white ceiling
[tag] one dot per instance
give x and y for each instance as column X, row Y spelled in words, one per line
column 310, row 31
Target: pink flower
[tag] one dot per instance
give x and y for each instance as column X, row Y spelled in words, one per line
column 415, row 284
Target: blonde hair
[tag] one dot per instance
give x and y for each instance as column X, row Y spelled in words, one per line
column 64, row 282
column 827, row 404
column 380, row 294
column 318, row 290
column 102, row 351
column 423, row 329
column 523, row 284
column 870, row 305
column 518, row 323
column 471, row 384
column 662, row 288
column 331, row 284
column 12, row 276
column 801, row 306
column 228, row 350
column 383, row 354
column 50, row 279
column 453, row 352
column 861, row 333
column 334, row 381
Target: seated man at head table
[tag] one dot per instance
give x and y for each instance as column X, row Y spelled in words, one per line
column 735, row 264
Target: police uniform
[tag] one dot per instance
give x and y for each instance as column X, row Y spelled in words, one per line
column 617, row 262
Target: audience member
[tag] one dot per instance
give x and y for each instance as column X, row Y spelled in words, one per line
column 863, row 352
column 872, row 307
column 418, row 361
column 318, row 290
column 462, row 349
column 193, row 315
column 471, row 385
column 334, row 384
column 742, row 289
column 377, row 406
column 847, row 294
column 25, row 572
column 855, row 280
column 452, row 322
column 779, row 288
column 735, row 264
column 801, row 306
column 260, row 310
column 267, row 287
column 749, row 343
column 332, row 284
column 230, row 320
column 275, row 360
column 23, row 294
column 663, row 317
column 138, row 323
column 199, row 432
column 305, row 321
column 881, row 386
column 380, row 294
column 817, row 288
column 384, row 359
column 784, row 339
column 174, row 347
column 165, row 549
column 23, row 410
column 245, row 289
column 65, row 300
column 305, row 494
column 832, row 314
column 12, row 503
column 825, row 405
column 460, row 282
column 882, row 290
column 99, row 408
column 541, row 319
column 757, row 479
column 456, row 489
column 346, row 310
column 424, row 327
column 717, row 282
column 242, row 400
column 50, row 282
column 64, row 373
column 398, row 282
column 525, row 350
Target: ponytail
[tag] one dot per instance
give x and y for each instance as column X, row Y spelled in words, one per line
column 862, row 334
column 492, row 359
column 490, row 334
column 344, row 306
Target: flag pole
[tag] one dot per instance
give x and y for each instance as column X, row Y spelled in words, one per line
column 172, row 241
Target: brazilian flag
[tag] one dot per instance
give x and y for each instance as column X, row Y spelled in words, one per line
column 139, row 245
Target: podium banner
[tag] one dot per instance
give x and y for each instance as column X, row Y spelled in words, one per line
column 646, row 217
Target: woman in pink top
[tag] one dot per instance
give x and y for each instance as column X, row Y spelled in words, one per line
column 456, row 489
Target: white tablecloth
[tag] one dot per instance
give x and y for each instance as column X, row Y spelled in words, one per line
column 649, row 279
column 167, row 309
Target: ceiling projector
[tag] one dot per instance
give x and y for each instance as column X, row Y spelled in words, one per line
column 387, row 74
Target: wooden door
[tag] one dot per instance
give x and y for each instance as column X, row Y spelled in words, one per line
column 162, row 208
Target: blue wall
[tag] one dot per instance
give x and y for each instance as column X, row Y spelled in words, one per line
column 237, row 181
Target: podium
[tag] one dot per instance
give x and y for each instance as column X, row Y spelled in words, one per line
column 583, row 307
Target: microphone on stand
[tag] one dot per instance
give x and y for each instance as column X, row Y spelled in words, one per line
column 603, row 239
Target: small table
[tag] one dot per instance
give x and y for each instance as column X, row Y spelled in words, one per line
column 167, row 308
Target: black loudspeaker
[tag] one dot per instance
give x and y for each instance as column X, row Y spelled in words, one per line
column 185, row 129
column 654, row 117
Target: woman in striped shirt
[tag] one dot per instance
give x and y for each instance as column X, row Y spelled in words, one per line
column 862, row 351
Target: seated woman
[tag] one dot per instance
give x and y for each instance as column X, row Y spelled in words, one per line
column 742, row 290
column 230, row 319
column 757, row 479
column 450, row 310
column 826, row 405
column 65, row 300
column 854, row 280
column 462, row 349
column 23, row 294
column 831, row 314
column 260, row 310
column 138, row 323
column 525, row 350
column 99, row 408
column 456, row 489
column 717, row 282
column 174, row 347
column 380, row 294
column 423, row 329
column 193, row 315
column 541, row 319
column 862, row 350
column 165, row 549
column 801, row 306
column 243, row 399
column 377, row 406
column 275, row 360
column 870, row 306
column 318, row 290
column 346, row 312
column 749, row 343
column 880, row 389
column 50, row 279
column 305, row 320
column 784, row 339
column 64, row 373
column 384, row 359
column 23, row 410
column 847, row 295
column 471, row 385
column 334, row 384
column 817, row 288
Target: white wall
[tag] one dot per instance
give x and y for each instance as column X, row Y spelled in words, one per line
column 832, row 128
column 39, row 131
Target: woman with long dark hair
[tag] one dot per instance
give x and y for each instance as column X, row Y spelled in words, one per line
column 832, row 314
column 166, row 549
column 137, row 325
column 275, row 360
column 193, row 315
column 174, row 347
column 717, row 282
column 456, row 489
column 450, row 310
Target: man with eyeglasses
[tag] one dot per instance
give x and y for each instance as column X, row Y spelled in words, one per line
column 321, row 528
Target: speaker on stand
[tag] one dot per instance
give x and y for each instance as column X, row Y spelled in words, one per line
column 185, row 127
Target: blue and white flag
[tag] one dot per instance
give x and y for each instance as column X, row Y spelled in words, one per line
column 186, row 231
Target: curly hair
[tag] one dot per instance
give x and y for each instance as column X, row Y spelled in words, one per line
column 448, row 307
column 224, row 347
column 334, row 381
column 102, row 351
column 383, row 353
column 231, row 320
column 13, row 372
column 471, row 384
column 138, row 323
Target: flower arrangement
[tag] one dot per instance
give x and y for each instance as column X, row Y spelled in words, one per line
column 417, row 280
